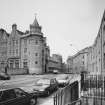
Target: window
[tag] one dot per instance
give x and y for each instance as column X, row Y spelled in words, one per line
column 16, row 41
column 99, row 35
column 25, row 50
column 17, row 64
column 36, row 62
column 104, row 28
column 25, row 64
column 13, row 42
column 36, row 42
column 10, row 43
column 104, row 44
column 99, row 59
column 99, row 52
column 29, row 41
column 10, row 51
column 42, row 51
column 2, row 64
column 16, row 51
column 36, row 54
column 11, row 63
column 3, row 53
column 104, row 61
column 25, row 42
column 13, row 52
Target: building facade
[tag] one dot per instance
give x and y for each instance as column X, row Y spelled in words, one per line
column 24, row 50
column 94, row 58
column 55, row 63
column 34, row 49
column 3, row 48
column 70, row 64
column 14, row 48
column 78, row 62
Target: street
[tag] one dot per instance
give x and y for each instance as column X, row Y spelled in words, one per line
column 23, row 80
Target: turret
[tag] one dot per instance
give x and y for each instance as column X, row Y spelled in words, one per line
column 35, row 27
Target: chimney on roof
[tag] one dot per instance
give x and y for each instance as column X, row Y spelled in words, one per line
column 14, row 27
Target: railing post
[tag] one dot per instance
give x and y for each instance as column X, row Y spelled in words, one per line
column 55, row 99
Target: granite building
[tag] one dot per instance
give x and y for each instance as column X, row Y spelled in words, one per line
column 95, row 56
column 24, row 50
column 34, row 49
column 14, row 48
column 3, row 48
column 55, row 63
column 96, row 59
column 78, row 62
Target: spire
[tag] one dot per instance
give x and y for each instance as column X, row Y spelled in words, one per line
column 35, row 23
column 35, row 27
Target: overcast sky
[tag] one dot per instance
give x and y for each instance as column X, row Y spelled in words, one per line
column 64, row 22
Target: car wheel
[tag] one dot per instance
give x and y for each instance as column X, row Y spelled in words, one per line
column 32, row 101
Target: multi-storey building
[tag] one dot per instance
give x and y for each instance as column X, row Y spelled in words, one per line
column 102, row 33
column 96, row 63
column 89, row 63
column 70, row 64
column 3, row 48
column 95, row 58
column 14, row 48
column 78, row 62
column 26, row 50
column 55, row 63
column 34, row 49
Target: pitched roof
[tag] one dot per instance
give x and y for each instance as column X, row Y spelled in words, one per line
column 35, row 23
column 20, row 32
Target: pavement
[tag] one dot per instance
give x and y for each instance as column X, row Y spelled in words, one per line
column 46, row 101
column 20, row 80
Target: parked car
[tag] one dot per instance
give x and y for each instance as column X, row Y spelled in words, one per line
column 30, row 88
column 55, row 71
column 4, row 76
column 16, row 96
column 38, row 90
column 62, row 82
column 44, row 87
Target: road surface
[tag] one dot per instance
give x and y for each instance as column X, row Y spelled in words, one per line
column 22, row 80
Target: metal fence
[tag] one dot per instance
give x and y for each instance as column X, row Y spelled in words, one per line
column 93, row 90
column 68, row 95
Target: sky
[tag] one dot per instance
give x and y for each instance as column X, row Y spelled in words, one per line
column 69, row 25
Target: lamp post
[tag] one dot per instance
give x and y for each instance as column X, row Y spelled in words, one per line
column 74, row 47
column 76, row 50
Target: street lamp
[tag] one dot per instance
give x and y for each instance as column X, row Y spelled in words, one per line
column 75, row 48
column 76, row 51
